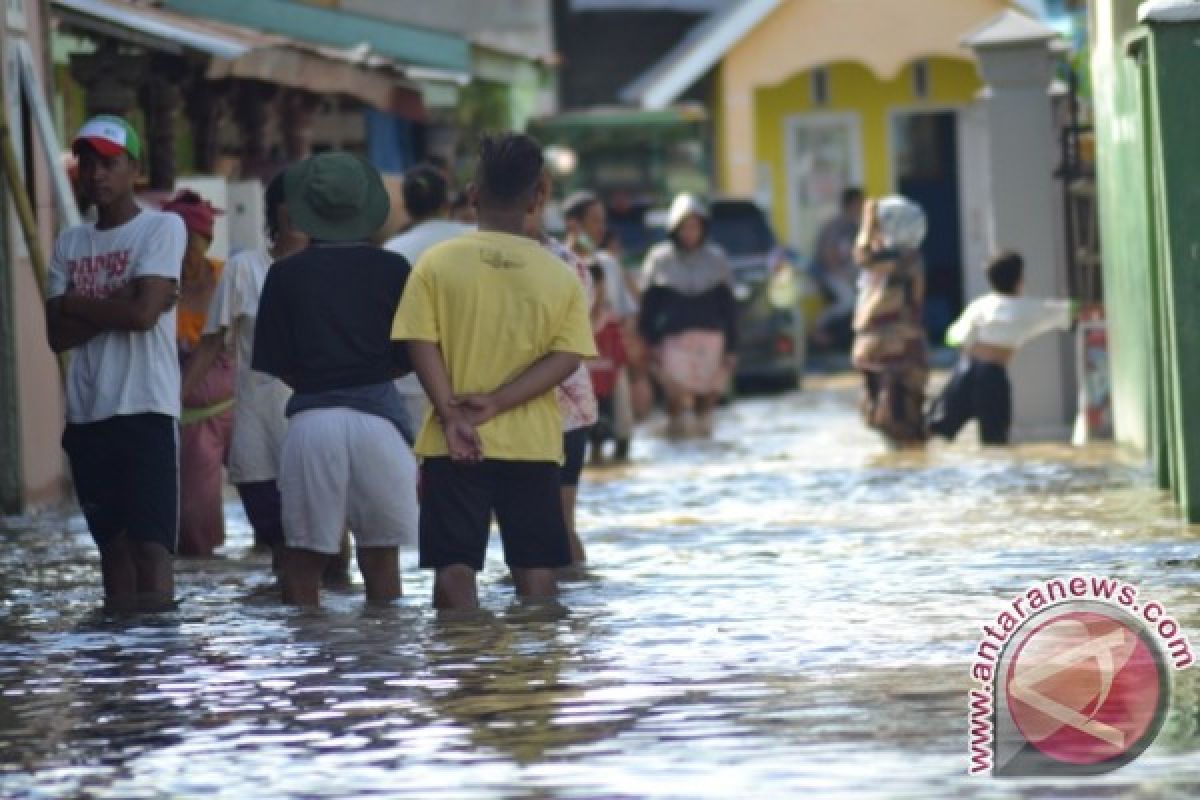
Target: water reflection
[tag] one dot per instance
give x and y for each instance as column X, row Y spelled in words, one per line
column 786, row 611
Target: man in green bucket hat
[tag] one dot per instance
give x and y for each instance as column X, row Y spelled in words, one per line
column 324, row 328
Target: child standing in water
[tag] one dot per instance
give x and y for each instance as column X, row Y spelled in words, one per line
column 990, row 331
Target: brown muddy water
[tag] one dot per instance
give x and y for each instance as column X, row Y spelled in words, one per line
column 786, row 611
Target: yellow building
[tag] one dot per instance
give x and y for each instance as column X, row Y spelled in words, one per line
column 812, row 96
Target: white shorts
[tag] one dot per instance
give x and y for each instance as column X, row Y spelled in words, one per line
column 346, row 468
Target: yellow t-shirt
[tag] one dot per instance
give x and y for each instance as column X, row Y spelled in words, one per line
column 496, row 303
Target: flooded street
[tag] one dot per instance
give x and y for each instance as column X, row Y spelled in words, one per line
column 788, row 610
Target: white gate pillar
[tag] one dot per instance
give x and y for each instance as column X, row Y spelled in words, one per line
column 1017, row 58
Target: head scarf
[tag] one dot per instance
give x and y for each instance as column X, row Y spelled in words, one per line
column 198, row 214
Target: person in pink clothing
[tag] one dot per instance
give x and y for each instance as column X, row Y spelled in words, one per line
column 576, row 401
column 206, row 426
column 259, row 419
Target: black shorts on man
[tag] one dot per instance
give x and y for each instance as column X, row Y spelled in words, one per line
column 458, row 501
column 126, row 473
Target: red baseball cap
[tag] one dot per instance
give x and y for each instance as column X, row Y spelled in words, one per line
column 109, row 136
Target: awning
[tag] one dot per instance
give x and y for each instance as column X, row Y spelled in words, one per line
column 405, row 44
column 298, row 70
column 238, row 52
column 164, row 32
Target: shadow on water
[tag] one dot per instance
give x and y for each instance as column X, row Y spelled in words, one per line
column 787, row 610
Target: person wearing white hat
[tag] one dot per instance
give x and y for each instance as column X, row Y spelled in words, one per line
column 689, row 317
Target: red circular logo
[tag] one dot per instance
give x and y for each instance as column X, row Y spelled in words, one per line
column 1084, row 688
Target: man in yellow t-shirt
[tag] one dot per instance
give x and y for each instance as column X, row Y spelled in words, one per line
column 494, row 323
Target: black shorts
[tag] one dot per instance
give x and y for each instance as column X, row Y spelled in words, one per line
column 457, row 503
column 575, row 446
column 264, row 511
column 977, row 390
column 126, row 473
column 606, row 421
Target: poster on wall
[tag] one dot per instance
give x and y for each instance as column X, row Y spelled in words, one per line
column 1093, row 420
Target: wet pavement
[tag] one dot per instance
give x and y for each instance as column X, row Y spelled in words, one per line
column 788, row 610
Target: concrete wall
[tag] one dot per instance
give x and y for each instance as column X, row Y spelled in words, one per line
column 884, row 35
column 1027, row 216
column 856, row 90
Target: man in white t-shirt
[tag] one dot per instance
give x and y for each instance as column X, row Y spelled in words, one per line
column 427, row 201
column 112, row 291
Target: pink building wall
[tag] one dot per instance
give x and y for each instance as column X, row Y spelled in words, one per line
column 39, row 387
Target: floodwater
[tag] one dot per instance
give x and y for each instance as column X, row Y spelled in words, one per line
column 786, row 611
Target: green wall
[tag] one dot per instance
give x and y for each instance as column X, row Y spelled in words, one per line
column 1126, row 226
column 1171, row 64
column 1149, row 191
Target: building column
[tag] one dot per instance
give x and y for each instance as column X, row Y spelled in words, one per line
column 207, row 107
column 738, row 173
column 161, row 99
column 1017, row 57
column 298, row 109
column 251, row 108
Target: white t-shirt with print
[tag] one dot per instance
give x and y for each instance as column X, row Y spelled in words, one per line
column 121, row 372
column 259, row 421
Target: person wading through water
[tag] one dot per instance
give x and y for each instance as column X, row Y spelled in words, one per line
column 494, row 323
column 323, row 329
column 112, row 288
